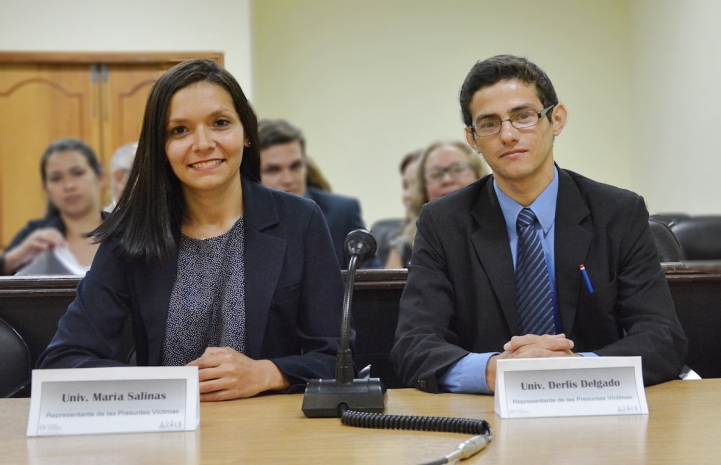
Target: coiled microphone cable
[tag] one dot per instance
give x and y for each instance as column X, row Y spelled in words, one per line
column 466, row 449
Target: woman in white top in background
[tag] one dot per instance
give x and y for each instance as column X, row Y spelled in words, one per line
column 72, row 178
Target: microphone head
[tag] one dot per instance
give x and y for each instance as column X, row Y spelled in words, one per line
column 361, row 243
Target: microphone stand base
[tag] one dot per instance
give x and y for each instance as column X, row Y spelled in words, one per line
column 325, row 398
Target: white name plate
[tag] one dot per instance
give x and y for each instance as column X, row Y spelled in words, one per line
column 569, row 386
column 114, row 400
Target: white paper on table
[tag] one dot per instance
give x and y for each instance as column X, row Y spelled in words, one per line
column 53, row 262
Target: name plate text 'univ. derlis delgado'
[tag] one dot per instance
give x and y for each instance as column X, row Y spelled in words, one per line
column 569, row 386
column 114, row 400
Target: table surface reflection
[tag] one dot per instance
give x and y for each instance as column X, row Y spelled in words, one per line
column 681, row 428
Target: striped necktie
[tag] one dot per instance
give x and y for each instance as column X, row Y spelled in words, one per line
column 533, row 288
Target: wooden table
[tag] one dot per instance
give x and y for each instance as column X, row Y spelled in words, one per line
column 682, row 427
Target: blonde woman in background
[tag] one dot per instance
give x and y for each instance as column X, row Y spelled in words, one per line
column 314, row 177
column 386, row 230
column 442, row 168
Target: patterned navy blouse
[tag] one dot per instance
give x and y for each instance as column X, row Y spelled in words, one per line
column 207, row 304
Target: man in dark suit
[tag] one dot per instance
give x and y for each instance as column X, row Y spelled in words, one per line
column 495, row 269
column 284, row 166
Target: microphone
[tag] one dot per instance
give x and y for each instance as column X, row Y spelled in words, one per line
column 331, row 397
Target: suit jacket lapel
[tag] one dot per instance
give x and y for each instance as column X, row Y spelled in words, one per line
column 156, row 285
column 572, row 242
column 490, row 241
column 264, row 255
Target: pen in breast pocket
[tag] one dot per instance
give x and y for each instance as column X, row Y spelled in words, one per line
column 585, row 279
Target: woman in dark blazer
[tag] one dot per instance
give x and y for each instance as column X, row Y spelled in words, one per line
column 214, row 269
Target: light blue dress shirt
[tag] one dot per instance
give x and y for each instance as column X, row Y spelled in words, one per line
column 469, row 373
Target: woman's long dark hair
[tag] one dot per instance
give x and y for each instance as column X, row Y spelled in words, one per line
column 68, row 144
column 149, row 213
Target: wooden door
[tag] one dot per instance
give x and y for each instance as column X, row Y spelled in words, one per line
column 39, row 103
column 125, row 92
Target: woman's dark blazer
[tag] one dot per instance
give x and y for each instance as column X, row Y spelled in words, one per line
column 293, row 296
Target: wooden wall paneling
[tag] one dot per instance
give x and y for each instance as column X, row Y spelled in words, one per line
column 166, row 58
column 125, row 93
column 39, row 103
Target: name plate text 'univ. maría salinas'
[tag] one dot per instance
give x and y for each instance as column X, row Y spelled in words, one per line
column 114, row 400
column 569, row 386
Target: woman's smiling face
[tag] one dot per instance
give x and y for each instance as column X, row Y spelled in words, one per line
column 204, row 137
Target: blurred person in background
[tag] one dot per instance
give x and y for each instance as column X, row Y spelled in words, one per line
column 120, row 166
column 72, row 179
column 314, row 178
column 442, row 168
column 284, row 166
column 387, row 231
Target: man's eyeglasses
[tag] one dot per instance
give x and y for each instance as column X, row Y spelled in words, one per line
column 455, row 170
column 521, row 120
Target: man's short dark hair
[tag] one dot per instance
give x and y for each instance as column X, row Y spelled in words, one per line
column 502, row 68
column 279, row 131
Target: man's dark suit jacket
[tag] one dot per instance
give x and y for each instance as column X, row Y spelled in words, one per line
column 293, row 296
column 460, row 296
column 343, row 215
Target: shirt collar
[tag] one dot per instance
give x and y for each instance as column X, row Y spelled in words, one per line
column 544, row 207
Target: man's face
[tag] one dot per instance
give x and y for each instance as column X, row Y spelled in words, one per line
column 519, row 158
column 282, row 167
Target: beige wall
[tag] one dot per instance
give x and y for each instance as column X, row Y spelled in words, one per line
column 371, row 80
column 677, row 104
column 131, row 25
